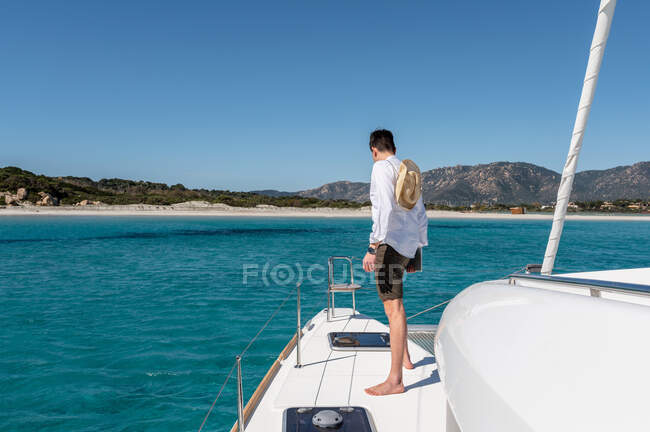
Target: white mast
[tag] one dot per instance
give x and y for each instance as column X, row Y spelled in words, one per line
column 605, row 16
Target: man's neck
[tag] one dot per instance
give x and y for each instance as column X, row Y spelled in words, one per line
column 383, row 156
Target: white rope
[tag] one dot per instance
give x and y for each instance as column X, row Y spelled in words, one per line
column 601, row 33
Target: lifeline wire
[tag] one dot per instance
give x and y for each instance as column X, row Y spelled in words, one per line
column 242, row 355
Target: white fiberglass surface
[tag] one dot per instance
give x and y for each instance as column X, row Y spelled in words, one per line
column 516, row 358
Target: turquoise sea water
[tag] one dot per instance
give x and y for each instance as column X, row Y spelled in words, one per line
column 115, row 323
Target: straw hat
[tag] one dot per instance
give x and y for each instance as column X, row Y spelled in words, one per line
column 409, row 184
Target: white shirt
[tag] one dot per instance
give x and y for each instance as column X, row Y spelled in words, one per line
column 404, row 230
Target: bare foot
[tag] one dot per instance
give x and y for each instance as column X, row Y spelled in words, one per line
column 385, row 388
column 407, row 363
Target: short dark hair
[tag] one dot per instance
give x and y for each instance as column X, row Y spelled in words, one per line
column 382, row 140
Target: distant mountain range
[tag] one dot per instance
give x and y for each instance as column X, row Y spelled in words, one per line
column 495, row 183
column 503, row 183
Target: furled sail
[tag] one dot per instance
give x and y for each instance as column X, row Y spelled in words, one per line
column 603, row 24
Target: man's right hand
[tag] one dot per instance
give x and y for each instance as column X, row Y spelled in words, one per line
column 369, row 262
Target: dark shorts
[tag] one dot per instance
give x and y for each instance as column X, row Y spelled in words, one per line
column 389, row 272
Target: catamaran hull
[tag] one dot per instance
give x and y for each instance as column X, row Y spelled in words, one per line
column 515, row 358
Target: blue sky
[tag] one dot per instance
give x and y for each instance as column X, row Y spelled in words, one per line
column 242, row 95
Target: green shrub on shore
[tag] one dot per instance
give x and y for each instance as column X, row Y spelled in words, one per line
column 71, row 190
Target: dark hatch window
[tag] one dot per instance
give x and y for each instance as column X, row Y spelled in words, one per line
column 356, row 340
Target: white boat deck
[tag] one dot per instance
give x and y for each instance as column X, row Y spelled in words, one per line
column 639, row 276
column 338, row 378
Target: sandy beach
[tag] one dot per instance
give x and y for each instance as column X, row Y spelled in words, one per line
column 222, row 210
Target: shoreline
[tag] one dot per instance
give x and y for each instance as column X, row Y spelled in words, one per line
column 221, row 210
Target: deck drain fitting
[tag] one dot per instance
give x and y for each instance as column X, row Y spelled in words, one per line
column 327, row 419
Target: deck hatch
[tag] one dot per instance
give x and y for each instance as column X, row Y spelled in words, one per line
column 349, row 419
column 355, row 341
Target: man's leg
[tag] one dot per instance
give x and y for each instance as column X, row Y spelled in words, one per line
column 389, row 272
column 397, row 321
column 407, row 363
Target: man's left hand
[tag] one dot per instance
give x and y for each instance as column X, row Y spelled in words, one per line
column 369, row 262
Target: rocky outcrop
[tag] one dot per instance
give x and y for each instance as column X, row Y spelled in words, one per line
column 21, row 194
column 15, row 199
column 47, row 200
column 10, row 199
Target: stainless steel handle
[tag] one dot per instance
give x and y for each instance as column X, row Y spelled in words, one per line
column 330, row 268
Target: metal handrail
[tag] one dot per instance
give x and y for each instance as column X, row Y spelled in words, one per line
column 601, row 285
column 330, row 268
column 298, row 327
column 330, row 283
column 240, row 397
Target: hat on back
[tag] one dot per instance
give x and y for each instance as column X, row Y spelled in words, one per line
column 409, row 185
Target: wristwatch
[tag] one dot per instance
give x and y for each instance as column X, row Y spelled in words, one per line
column 372, row 250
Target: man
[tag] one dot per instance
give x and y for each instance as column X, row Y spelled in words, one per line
column 396, row 235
